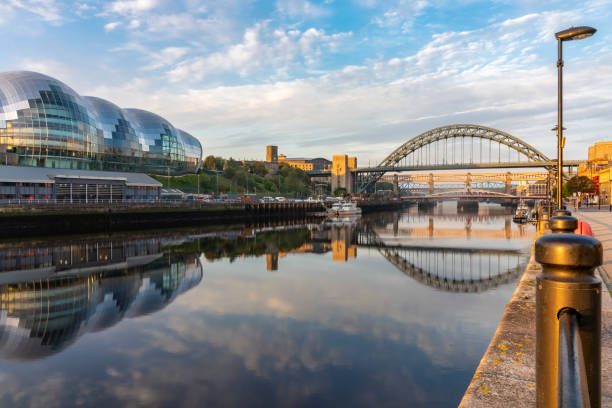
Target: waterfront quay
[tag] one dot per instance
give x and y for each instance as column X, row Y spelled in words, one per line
column 506, row 375
column 25, row 218
column 65, row 218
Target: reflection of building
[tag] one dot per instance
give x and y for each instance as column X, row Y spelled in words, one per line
column 272, row 261
column 341, row 244
column 43, row 311
column 45, row 123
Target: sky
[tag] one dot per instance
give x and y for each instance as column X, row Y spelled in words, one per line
column 324, row 77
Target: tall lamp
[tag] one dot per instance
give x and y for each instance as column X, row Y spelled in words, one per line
column 572, row 33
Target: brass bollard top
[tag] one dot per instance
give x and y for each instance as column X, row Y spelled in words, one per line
column 569, row 250
column 561, row 212
column 563, row 224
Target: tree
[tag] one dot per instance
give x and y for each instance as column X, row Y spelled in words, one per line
column 581, row 184
column 229, row 172
column 260, row 169
column 340, row 192
column 210, row 162
column 219, row 161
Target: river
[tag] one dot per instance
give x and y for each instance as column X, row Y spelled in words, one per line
column 394, row 309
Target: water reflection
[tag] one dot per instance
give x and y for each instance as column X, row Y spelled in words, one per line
column 344, row 320
column 52, row 295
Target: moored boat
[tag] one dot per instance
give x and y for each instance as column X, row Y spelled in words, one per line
column 521, row 215
column 344, row 208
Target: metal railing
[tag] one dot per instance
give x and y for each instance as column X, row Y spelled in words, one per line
column 568, row 317
column 572, row 378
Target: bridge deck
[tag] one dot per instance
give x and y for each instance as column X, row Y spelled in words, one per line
column 454, row 166
column 505, row 376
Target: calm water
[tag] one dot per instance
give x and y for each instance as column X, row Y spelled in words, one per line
column 393, row 310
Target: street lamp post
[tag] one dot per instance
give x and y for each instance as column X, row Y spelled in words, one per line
column 572, row 33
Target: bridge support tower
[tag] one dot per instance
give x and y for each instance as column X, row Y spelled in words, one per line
column 431, row 183
column 396, row 190
column 508, row 188
column 341, row 174
column 467, row 206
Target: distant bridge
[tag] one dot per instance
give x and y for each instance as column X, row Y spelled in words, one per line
column 474, row 195
column 452, row 147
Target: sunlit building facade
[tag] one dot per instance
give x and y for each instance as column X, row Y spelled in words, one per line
column 45, row 123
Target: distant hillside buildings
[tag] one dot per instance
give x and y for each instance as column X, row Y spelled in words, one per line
column 302, row 163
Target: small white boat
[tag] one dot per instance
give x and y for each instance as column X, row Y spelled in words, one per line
column 343, row 209
column 521, row 215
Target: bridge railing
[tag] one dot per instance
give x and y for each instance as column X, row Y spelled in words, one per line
column 568, row 318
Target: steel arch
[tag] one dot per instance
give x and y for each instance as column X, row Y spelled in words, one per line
column 456, row 131
column 463, row 130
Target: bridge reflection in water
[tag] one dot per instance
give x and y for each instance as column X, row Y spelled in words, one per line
column 452, row 265
column 52, row 295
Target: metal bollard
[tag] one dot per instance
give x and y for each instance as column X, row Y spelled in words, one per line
column 560, row 212
column 567, row 281
column 563, row 224
column 542, row 220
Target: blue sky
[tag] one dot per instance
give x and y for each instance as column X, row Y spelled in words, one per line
column 324, row 77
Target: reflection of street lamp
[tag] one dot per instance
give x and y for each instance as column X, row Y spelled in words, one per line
column 572, row 33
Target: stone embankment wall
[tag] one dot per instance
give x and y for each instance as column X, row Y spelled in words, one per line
column 30, row 220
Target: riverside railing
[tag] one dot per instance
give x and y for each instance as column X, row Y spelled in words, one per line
column 568, row 318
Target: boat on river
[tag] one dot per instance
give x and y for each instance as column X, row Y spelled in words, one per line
column 521, row 216
column 343, row 209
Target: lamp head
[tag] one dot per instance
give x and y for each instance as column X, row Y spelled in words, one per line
column 575, row 33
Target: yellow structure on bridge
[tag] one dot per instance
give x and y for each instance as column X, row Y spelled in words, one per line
column 508, row 177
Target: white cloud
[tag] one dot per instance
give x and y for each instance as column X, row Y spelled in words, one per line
column 111, row 26
column 400, row 14
column 501, row 75
column 301, row 8
column 46, row 10
column 272, row 52
column 53, row 68
column 130, row 7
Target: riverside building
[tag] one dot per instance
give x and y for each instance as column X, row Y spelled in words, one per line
column 84, row 142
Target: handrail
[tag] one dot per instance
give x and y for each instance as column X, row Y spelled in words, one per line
column 573, row 388
column 568, row 317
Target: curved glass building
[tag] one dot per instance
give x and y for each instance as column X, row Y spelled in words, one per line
column 45, row 123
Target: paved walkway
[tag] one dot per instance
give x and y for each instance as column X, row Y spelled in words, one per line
column 505, row 376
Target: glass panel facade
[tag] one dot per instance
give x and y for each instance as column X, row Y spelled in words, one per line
column 45, row 123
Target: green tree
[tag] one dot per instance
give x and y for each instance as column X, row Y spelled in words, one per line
column 229, row 172
column 260, row 169
column 340, row 192
column 210, row 162
column 581, row 184
column 219, row 161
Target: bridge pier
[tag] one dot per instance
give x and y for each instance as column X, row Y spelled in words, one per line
column 426, row 205
column 508, row 188
column 431, row 183
column 468, row 181
column 396, row 191
column 467, row 206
